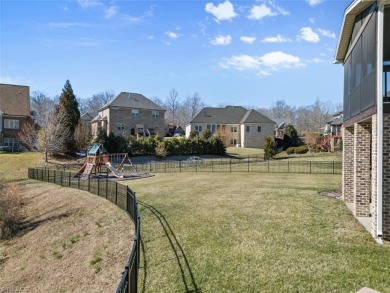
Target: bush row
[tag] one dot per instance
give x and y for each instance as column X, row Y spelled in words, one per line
column 156, row 146
column 303, row 149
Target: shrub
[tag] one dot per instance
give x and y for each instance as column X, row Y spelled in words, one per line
column 10, row 204
column 290, row 150
column 161, row 150
column 303, row 149
column 269, row 147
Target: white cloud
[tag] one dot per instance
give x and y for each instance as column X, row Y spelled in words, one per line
column 221, row 40
column 326, row 33
column 137, row 19
column 314, row 2
column 89, row 3
column 312, row 20
column 259, row 12
column 172, row 35
column 276, row 39
column 263, row 65
column 248, row 40
column 111, row 11
column 68, row 25
column 9, row 80
column 223, row 11
column 309, row 35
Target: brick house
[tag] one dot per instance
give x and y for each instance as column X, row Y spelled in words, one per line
column 130, row 113
column 237, row 125
column 364, row 50
column 14, row 111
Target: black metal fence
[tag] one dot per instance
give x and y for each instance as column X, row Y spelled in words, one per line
column 118, row 194
column 243, row 165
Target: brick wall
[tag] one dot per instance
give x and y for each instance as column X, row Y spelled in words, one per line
column 362, row 169
column 348, row 168
column 386, row 177
column 145, row 118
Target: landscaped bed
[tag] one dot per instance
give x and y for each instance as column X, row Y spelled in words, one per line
column 246, row 232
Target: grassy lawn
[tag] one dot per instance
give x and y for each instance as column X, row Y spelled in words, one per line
column 233, row 151
column 13, row 166
column 253, row 233
column 311, row 157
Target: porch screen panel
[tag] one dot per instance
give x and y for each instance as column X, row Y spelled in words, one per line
column 347, row 89
column 386, row 34
column 367, row 98
column 356, row 78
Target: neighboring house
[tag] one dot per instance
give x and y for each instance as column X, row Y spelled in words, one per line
column 132, row 114
column 87, row 117
column 364, row 50
column 235, row 124
column 281, row 124
column 332, row 131
column 14, row 111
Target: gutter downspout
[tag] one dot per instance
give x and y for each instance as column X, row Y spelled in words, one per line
column 379, row 66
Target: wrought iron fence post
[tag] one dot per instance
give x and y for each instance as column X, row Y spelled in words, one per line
column 212, row 166
column 333, row 166
column 288, row 166
column 310, row 167
column 150, row 167
column 69, row 179
column 180, row 166
column 116, row 192
column 98, row 186
column 78, row 181
column 106, row 187
column 89, row 182
column 62, row 177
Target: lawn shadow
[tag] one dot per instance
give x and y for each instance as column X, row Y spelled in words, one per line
column 182, row 261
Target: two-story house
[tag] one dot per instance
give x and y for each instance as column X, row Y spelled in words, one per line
column 235, row 124
column 332, row 131
column 14, row 111
column 132, row 114
column 364, row 50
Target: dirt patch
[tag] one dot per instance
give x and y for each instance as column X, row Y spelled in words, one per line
column 69, row 241
column 332, row 194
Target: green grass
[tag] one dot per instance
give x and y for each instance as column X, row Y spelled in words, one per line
column 311, row 157
column 253, row 233
column 244, row 152
column 13, row 166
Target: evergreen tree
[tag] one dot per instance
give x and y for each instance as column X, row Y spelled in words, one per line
column 291, row 137
column 269, row 147
column 70, row 106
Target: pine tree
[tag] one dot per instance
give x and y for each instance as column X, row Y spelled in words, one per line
column 70, row 106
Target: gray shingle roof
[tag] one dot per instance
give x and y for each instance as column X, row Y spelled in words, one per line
column 229, row 115
column 132, row 100
column 252, row 116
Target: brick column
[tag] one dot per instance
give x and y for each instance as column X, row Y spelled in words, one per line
column 386, row 178
column 374, row 160
column 347, row 174
column 362, row 166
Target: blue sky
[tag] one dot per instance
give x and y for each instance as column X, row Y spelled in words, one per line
column 250, row 53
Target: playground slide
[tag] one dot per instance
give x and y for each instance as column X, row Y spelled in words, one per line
column 113, row 170
column 82, row 169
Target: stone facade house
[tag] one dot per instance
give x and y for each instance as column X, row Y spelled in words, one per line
column 364, row 50
column 14, row 111
column 235, row 124
column 130, row 113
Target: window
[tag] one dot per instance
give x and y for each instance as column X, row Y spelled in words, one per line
column 135, row 112
column 120, row 126
column 10, row 141
column 258, row 128
column 247, row 129
column 11, row 124
column 233, row 129
column 198, row 128
column 213, row 128
column 155, row 114
column 209, row 127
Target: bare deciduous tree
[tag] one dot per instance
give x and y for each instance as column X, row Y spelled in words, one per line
column 172, row 103
column 28, row 136
column 83, row 135
column 189, row 109
column 93, row 104
column 43, row 106
column 54, row 135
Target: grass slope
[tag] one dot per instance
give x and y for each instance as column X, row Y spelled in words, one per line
column 13, row 166
column 253, row 233
column 69, row 241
